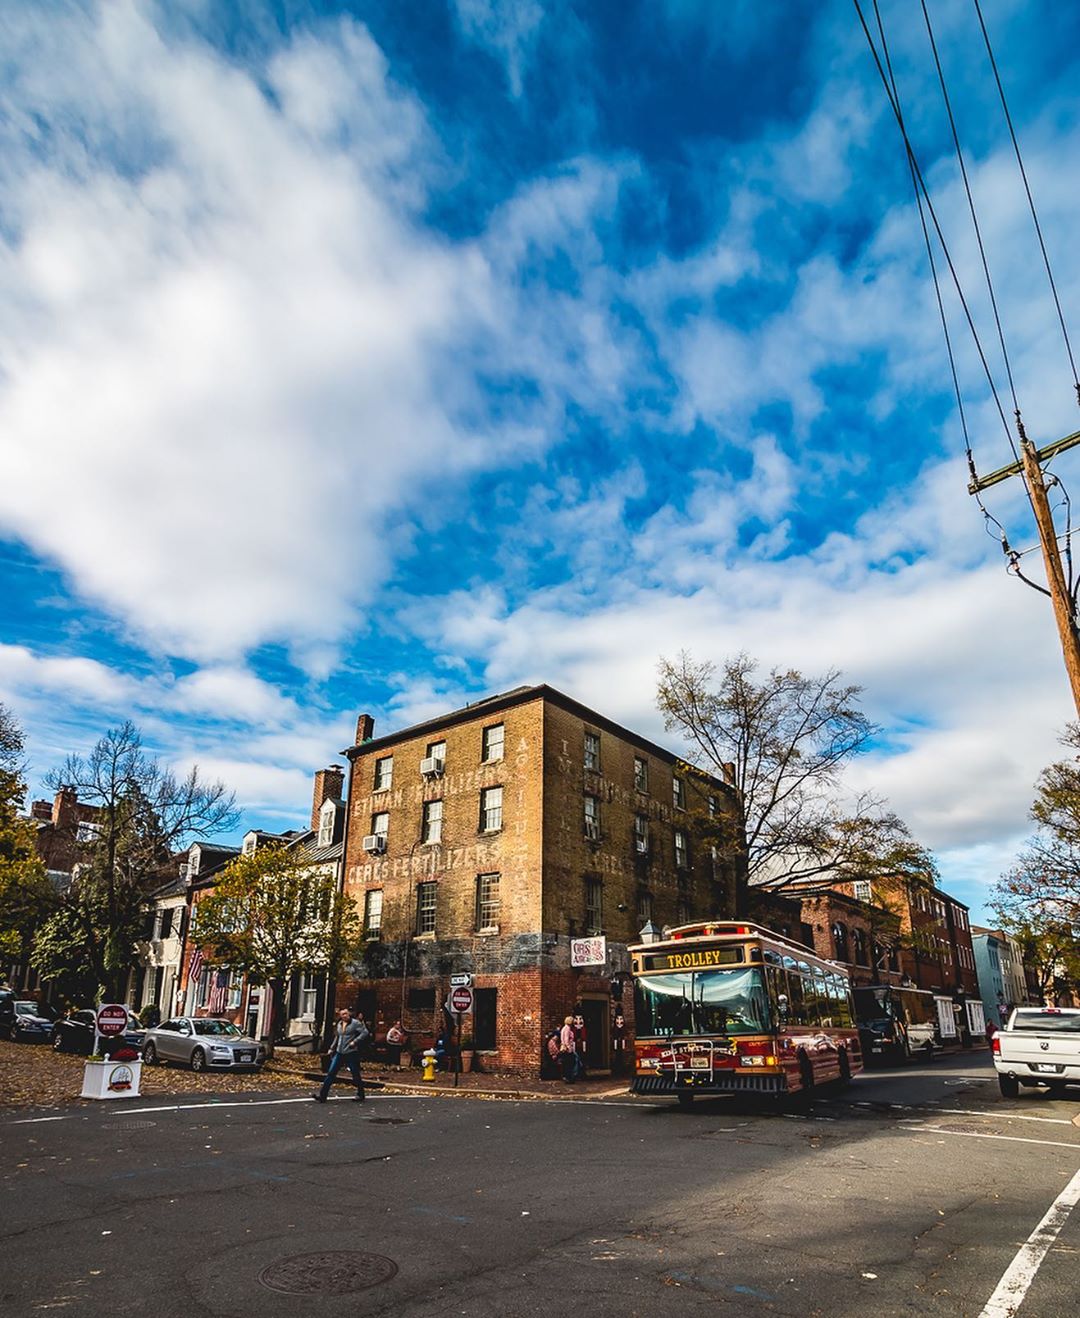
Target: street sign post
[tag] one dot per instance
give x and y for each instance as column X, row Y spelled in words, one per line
column 461, row 999
column 460, row 981
column 111, row 1020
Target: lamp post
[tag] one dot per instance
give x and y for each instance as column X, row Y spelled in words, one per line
column 649, row 933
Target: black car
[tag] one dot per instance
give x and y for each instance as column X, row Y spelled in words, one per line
column 7, row 1012
column 75, row 1034
column 32, row 1022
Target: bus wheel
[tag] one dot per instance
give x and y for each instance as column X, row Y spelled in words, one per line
column 685, row 1100
column 845, row 1069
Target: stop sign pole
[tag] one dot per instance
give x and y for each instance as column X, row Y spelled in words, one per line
column 461, row 1001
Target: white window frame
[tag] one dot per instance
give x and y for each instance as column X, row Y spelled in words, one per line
column 592, row 817
column 373, row 907
column 493, row 743
column 380, row 823
column 427, row 913
column 591, row 751
column 593, row 928
column 641, row 834
column 678, row 793
column 384, row 774
column 309, row 994
column 491, row 809
column 487, row 908
column 641, row 774
column 682, row 850
column 431, row 820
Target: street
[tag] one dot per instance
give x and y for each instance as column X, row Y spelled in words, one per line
column 910, row 1193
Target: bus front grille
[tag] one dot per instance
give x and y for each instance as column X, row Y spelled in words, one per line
column 721, row 1083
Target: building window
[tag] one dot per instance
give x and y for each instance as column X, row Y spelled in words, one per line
column 712, row 807
column 309, row 995
column 644, row 908
column 485, row 1016
column 421, row 999
column 863, row 891
column 641, row 774
column 678, row 795
column 437, row 751
column 373, row 913
column 491, row 812
column 641, row 834
column 594, row 906
column 384, row 773
column 327, row 817
column 682, row 855
column 487, row 901
column 592, row 818
column 86, row 832
column 840, row 942
column 427, row 898
column 858, row 941
column 249, row 844
column 380, row 823
column 682, row 911
column 236, row 991
column 431, row 822
column 492, row 740
column 592, row 751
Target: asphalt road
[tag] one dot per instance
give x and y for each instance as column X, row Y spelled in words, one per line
column 910, row 1194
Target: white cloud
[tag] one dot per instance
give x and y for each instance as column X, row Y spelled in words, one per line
column 507, row 27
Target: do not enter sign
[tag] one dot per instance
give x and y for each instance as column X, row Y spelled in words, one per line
column 461, row 1000
column 112, row 1019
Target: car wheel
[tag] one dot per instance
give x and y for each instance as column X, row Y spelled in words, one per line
column 149, row 1055
column 198, row 1060
column 1009, row 1086
column 805, row 1096
column 845, row 1069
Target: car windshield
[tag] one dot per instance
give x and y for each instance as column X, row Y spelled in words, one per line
column 1047, row 1021
column 35, row 1009
column 223, row 1028
column 702, row 1002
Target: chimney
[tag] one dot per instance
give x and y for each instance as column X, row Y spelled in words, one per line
column 729, row 772
column 365, row 728
column 64, row 807
column 328, row 783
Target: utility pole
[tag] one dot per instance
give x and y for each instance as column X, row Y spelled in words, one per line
column 1029, row 468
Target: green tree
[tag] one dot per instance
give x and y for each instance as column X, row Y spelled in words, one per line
column 27, row 897
column 782, row 742
column 273, row 913
column 145, row 813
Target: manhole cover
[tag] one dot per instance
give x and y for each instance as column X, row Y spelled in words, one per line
column 335, row 1272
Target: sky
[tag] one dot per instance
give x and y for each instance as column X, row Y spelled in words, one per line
column 379, row 356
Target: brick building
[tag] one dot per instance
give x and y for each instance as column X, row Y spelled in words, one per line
column 65, row 830
column 858, row 934
column 486, row 840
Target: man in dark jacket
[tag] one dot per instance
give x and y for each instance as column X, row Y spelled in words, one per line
column 349, row 1037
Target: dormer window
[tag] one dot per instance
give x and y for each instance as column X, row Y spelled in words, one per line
column 194, row 857
column 250, row 842
column 327, row 818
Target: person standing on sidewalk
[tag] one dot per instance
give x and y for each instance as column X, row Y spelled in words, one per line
column 568, row 1050
column 349, row 1037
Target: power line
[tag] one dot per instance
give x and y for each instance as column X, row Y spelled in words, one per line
column 1031, row 199
column 971, row 206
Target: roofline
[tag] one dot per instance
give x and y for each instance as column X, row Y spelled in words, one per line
column 522, row 696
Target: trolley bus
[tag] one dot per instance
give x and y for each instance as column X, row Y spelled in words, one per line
column 727, row 1007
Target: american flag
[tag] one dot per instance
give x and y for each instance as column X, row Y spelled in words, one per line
column 219, row 993
column 195, row 966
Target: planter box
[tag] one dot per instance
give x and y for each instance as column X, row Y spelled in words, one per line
column 109, row 1079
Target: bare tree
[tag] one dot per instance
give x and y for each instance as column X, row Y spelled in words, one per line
column 783, row 742
column 145, row 812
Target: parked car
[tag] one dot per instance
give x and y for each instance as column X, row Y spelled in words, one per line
column 203, row 1043
column 75, row 1033
column 1038, row 1046
column 32, row 1022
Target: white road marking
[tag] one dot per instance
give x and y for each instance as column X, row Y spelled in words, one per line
column 1011, row 1289
column 194, row 1107
column 979, row 1135
column 1002, row 1116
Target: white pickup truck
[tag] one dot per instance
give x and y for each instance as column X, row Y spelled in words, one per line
column 1038, row 1046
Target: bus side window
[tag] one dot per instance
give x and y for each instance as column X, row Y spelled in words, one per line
column 777, row 984
column 809, row 995
column 841, row 1004
column 825, row 999
column 796, row 999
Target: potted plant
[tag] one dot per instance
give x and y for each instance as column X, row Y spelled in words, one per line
column 468, row 1050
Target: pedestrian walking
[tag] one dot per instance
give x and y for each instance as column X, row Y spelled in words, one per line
column 349, row 1037
column 568, row 1050
column 581, row 1040
column 619, row 1034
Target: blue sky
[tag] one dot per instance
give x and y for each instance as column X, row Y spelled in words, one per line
column 377, row 356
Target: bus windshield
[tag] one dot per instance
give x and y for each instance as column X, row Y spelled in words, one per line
column 702, row 1002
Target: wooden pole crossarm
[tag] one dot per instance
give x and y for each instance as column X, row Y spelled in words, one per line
column 1014, row 468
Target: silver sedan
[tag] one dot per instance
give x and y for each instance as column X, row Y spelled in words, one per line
column 203, row 1043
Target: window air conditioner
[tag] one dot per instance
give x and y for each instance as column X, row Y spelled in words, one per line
column 431, row 766
column 374, row 843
